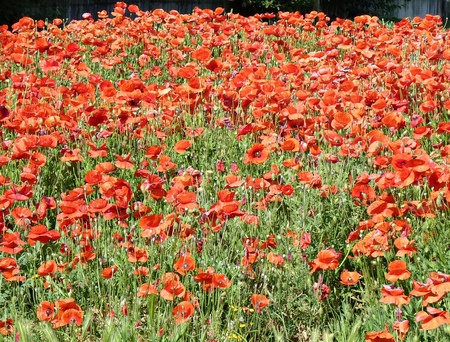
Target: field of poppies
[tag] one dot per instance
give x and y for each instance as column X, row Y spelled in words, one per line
column 214, row 177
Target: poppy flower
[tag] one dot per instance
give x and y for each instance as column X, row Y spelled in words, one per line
column 69, row 312
column 257, row 154
column 47, row 268
column 397, row 271
column 42, row 234
column 151, row 225
column 8, row 264
column 259, row 301
column 168, row 276
column 433, row 319
column 183, row 312
column 349, row 278
column 147, row 289
column 109, row 272
column 184, row 264
column 6, row 327
column 11, row 242
column 402, row 327
column 405, row 247
column 206, row 278
column 182, row 146
column 124, row 163
column 275, row 259
column 172, row 288
column 136, row 254
column 45, row 311
column 326, row 259
column 165, row 164
column 72, row 316
column 393, row 295
column 380, row 336
column 153, row 152
column 202, row 54
column 221, row 280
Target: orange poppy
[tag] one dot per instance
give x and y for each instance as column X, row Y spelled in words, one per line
column 257, row 154
column 221, row 280
column 153, row 152
column 72, row 316
column 69, row 312
column 402, row 327
column 171, row 288
column 397, row 271
column 182, row 146
column 433, row 319
column 184, row 264
column 124, row 163
column 136, row 254
column 326, row 259
column 440, row 282
column 151, row 225
column 393, row 295
column 45, row 311
column 183, row 312
column 165, row 164
column 168, row 276
column 259, row 301
column 380, row 336
column 275, row 259
column 202, row 54
column 42, row 234
column 47, row 268
column 109, row 272
column 7, row 327
column 11, row 242
column 22, row 216
column 349, row 278
column 147, row 289
column 404, row 246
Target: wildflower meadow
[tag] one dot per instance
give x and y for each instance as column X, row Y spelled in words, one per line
column 215, row 177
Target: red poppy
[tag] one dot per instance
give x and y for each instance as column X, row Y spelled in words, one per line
column 147, row 289
column 42, row 234
column 275, row 259
column 393, row 295
column 69, row 312
column 153, row 152
column 124, row 163
column 380, row 336
column 11, row 242
column 183, row 312
column 47, row 268
column 6, row 327
column 202, row 54
column 259, row 301
column 397, row 271
column 433, row 319
column 257, row 154
column 165, row 164
column 109, row 272
column 184, row 264
column 326, row 259
column 45, row 311
column 172, row 288
column 349, row 278
column 72, row 316
column 182, row 146
column 136, row 254
column 402, row 328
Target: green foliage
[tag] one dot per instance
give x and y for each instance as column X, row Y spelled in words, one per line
column 279, row 5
